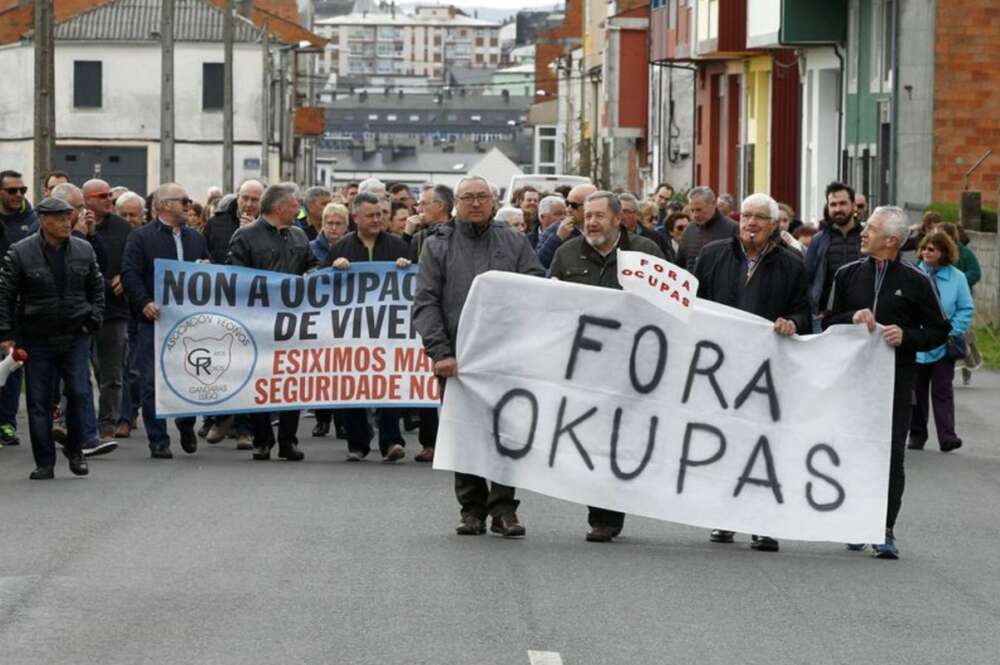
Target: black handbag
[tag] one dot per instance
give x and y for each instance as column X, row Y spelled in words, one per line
column 957, row 348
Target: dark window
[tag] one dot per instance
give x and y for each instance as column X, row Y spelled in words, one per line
column 212, row 93
column 87, row 84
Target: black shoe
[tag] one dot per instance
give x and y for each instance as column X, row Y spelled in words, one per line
column 290, row 452
column 206, row 424
column 262, row 453
column 321, row 428
column 763, row 544
column 78, row 465
column 341, row 433
column 916, row 442
column 189, row 441
column 42, row 473
column 100, row 448
column 601, row 533
column 161, row 453
column 721, row 536
column 948, row 446
column 471, row 525
column 8, row 436
column 410, row 423
column 507, row 525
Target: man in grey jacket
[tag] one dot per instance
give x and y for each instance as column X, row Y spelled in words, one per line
column 450, row 260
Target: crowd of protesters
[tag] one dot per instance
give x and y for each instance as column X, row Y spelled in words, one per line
column 76, row 290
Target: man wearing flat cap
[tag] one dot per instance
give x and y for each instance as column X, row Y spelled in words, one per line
column 52, row 302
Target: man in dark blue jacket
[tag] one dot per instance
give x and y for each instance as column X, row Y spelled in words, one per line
column 837, row 244
column 166, row 237
column 17, row 221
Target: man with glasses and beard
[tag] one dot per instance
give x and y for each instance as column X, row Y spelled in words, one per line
column 166, row 237
column 837, row 244
column 17, row 221
column 451, row 259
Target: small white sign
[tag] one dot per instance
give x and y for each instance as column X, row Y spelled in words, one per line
column 659, row 282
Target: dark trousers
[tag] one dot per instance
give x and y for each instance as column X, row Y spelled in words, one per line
column 934, row 378
column 902, row 409
column 10, row 398
column 428, row 427
column 263, row 433
column 70, row 363
column 156, row 428
column 478, row 497
column 111, row 345
column 604, row 517
column 128, row 411
column 359, row 432
column 327, row 415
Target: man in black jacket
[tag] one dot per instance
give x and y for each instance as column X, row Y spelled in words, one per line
column 52, row 301
column 275, row 243
column 709, row 224
column 166, row 237
column 242, row 211
column 881, row 289
column 630, row 222
column 371, row 242
column 755, row 273
column 113, row 232
column 592, row 258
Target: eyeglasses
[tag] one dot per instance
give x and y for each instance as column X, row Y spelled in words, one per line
column 100, row 195
column 753, row 215
column 480, row 198
column 16, row 190
column 573, row 205
column 185, row 201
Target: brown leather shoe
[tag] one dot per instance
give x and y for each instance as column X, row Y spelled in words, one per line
column 470, row 526
column 507, row 525
column 425, row 455
column 601, row 533
column 123, row 431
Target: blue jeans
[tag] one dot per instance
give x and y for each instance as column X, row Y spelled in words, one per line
column 131, row 390
column 156, row 428
column 70, row 363
column 10, row 398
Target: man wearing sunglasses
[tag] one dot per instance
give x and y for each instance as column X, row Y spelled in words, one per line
column 113, row 232
column 568, row 228
column 17, row 221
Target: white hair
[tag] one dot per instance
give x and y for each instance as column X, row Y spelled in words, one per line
column 546, row 205
column 704, row 193
column 373, row 185
column 894, row 222
column 129, row 197
column 760, row 200
column 506, row 213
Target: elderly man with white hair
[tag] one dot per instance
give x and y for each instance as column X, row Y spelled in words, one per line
column 754, row 272
column 880, row 290
column 514, row 217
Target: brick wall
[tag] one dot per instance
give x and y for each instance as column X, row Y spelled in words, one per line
column 966, row 96
column 551, row 44
column 986, row 293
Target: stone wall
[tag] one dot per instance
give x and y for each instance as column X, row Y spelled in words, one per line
column 987, row 292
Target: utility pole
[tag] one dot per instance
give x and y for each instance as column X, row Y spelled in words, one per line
column 45, row 112
column 167, row 91
column 265, row 103
column 227, row 101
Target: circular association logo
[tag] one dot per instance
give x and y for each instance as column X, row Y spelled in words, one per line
column 208, row 358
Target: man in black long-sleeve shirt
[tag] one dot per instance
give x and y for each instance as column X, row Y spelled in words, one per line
column 881, row 289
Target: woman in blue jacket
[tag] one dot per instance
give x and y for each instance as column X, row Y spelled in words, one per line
column 935, row 368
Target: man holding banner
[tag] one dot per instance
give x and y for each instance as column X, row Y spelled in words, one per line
column 592, row 258
column 167, row 237
column 273, row 242
column 756, row 273
column 451, row 259
column 371, row 242
column 880, row 289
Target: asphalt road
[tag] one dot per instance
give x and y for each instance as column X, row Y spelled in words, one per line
column 213, row 558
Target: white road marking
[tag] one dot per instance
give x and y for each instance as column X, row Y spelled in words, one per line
column 545, row 658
